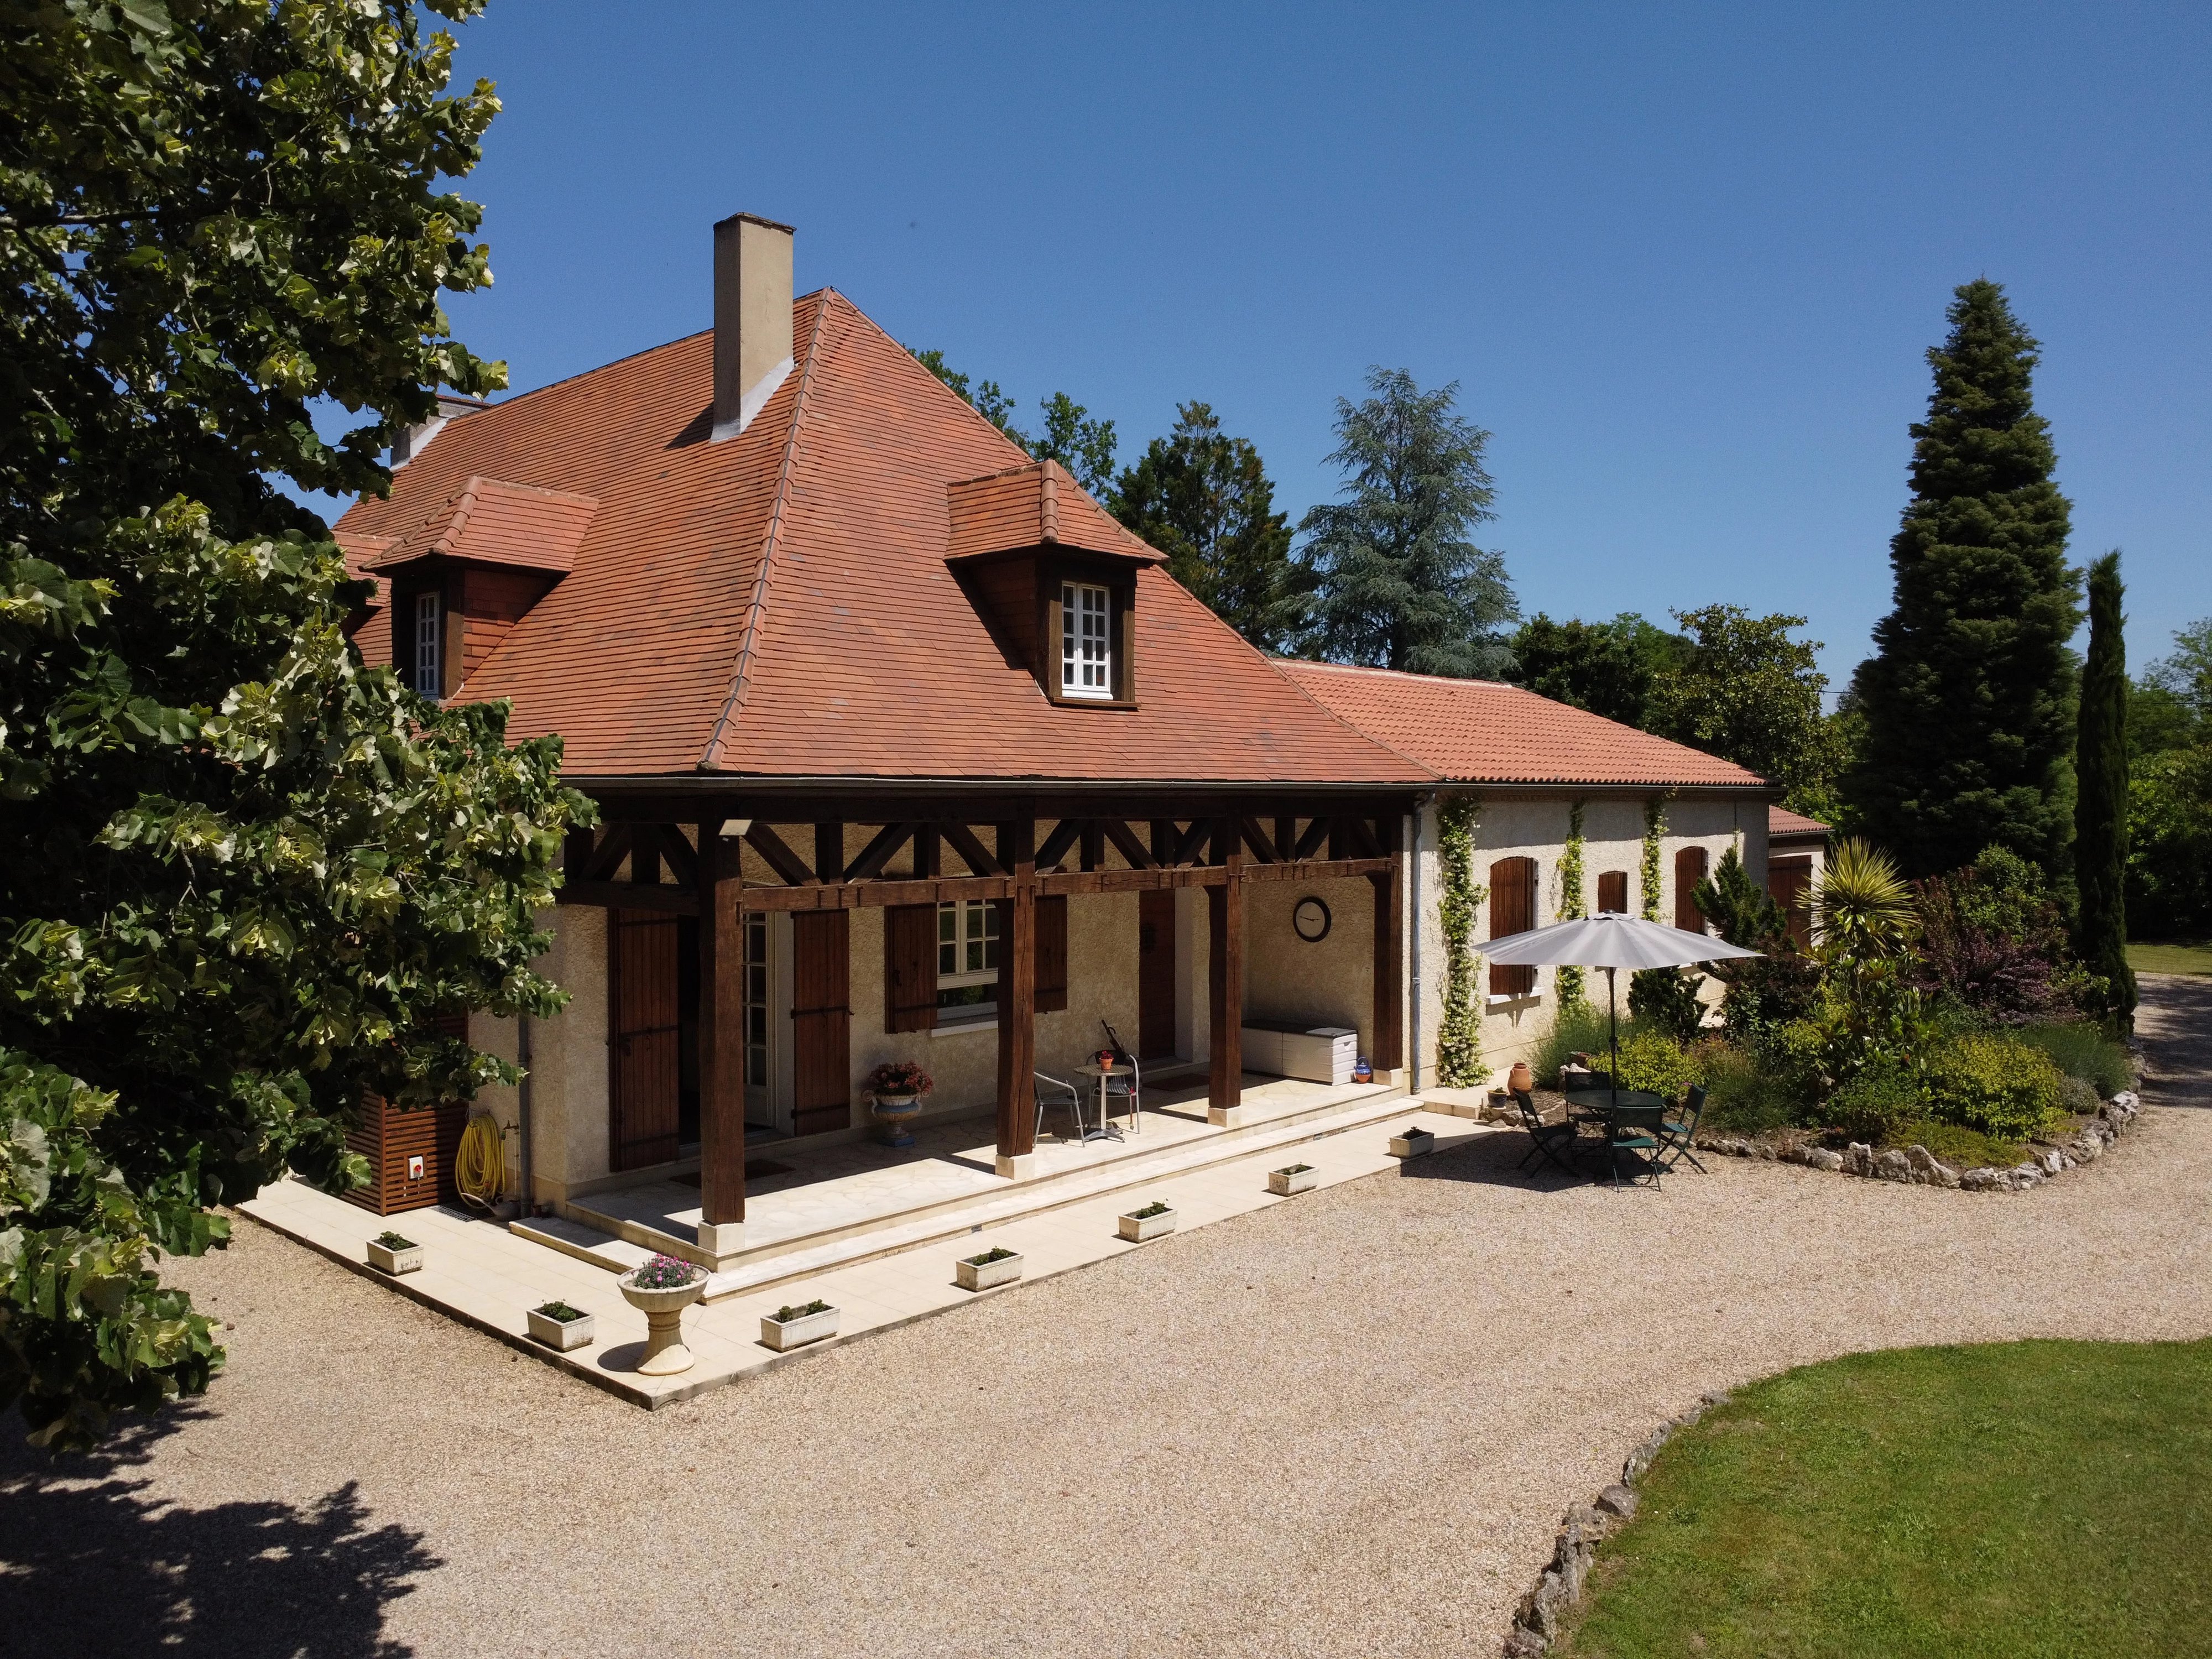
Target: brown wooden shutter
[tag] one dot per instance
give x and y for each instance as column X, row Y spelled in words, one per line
column 910, row 967
column 1051, row 995
column 1789, row 884
column 1612, row 890
column 1689, row 871
column 644, row 1039
column 820, row 1021
column 1155, row 975
column 1512, row 910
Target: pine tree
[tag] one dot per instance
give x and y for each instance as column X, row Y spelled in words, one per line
column 1202, row 498
column 1969, row 701
column 2100, row 809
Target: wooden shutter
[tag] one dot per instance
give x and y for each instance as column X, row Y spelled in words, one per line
column 1689, row 871
column 1512, row 910
column 1051, row 995
column 1155, row 975
column 1612, row 890
column 644, row 1039
column 910, row 967
column 820, row 1021
column 1789, row 884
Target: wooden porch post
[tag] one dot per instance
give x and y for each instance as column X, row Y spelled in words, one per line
column 1017, row 1000
column 1389, row 1049
column 722, row 1045
column 1224, row 984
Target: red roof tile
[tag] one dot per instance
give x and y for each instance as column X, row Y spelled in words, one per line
column 490, row 521
column 779, row 603
column 1039, row 504
column 1482, row 732
column 1781, row 821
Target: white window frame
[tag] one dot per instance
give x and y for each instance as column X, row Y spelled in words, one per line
column 967, row 958
column 1086, row 640
column 430, row 643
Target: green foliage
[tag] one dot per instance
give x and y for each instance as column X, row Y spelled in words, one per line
column 1078, row 441
column 2100, row 806
column 1650, row 864
column 1956, row 1145
column 1574, row 904
column 1991, row 943
column 1747, row 1094
column 1764, row 992
column 1872, row 1104
column 1609, row 668
column 561, row 1312
column 1997, row 1085
column 1203, row 499
column 1666, row 999
column 1459, row 1037
column 1969, row 700
column 1653, row 1061
column 1861, row 908
column 1745, row 691
column 2186, row 675
column 1582, row 1030
column 2169, row 833
column 1398, row 583
column 2085, row 1051
column 986, row 397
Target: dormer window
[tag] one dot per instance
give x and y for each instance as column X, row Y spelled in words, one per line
column 429, row 642
column 1086, row 636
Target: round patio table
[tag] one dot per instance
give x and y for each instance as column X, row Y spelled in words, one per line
column 1618, row 1108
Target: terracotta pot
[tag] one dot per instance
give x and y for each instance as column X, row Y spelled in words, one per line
column 1520, row 1076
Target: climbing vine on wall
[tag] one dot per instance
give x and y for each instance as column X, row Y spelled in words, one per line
column 1459, row 1038
column 1572, row 997
column 1655, row 830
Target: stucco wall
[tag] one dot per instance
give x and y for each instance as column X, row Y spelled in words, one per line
column 567, row 1054
column 1328, row 984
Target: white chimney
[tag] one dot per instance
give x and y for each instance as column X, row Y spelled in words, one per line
column 752, row 318
column 411, row 443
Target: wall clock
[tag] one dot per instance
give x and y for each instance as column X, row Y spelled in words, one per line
column 1311, row 918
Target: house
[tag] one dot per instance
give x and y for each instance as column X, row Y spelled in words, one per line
column 1536, row 776
column 1797, row 853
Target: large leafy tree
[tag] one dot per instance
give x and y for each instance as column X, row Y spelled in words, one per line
column 1746, row 691
column 1969, row 701
column 2100, row 811
column 2169, row 730
column 1203, row 498
column 1398, row 580
column 241, row 872
column 1610, row 668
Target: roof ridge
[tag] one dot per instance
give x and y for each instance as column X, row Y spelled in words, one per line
column 756, row 610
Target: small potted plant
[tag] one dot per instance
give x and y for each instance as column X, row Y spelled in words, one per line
column 1414, row 1142
column 561, row 1327
column 1151, row 1222
column 1295, row 1178
column 660, row 1290
column 389, row 1253
column 897, row 1087
column 794, row 1326
column 996, row 1266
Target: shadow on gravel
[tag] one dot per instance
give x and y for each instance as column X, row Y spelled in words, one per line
column 90, row 1565
column 2175, row 1023
column 1491, row 1161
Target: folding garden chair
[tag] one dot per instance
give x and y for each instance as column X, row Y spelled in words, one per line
column 1676, row 1136
column 1549, row 1137
column 1637, row 1131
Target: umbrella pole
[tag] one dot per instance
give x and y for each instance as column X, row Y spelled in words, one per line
column 1613, row 1018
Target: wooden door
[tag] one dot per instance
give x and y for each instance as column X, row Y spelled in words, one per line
column 1156, row 976
column 1789, row 884
column 1689, row 871
column 820, row 1021
column 642, row 1037
column 1512, row 910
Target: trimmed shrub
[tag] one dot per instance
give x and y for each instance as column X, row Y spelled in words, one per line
column 1997, row 1085
column 1667, row 997
column 1743, row 1096
column 1578, row 1030
column 2083, row 1051
column 1873, row 1105
column 1958, row 1146
column 1654, row 1060
column 2078, row 1096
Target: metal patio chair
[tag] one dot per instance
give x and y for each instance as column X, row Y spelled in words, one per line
column 1052, row 1092
column 1637, row 1131
column 1677, row 1134
column 1549, row 1138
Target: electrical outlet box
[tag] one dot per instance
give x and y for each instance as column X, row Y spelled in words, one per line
column 415, row 1167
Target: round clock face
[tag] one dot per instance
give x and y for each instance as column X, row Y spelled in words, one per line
column 1311, row 918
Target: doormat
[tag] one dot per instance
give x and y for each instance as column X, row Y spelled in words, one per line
column 756, row 1168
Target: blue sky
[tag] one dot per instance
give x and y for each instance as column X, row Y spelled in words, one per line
column 1683, row 261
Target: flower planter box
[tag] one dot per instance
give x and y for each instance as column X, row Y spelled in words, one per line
column 1284, row 1183
column 1138, row 1228
column 785, row 1335
column 1414, row 1143
column 386, row 1259
column 563, row 1335
column 978, row 1275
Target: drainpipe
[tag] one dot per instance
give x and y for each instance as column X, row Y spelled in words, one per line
column 1421, row 804
column 522, row 1114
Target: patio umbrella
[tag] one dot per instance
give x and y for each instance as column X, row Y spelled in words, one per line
column 1611, row 940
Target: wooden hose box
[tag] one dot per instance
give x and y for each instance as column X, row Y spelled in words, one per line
column 391, row 1139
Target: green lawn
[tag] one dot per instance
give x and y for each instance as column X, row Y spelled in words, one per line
column 2014, row 1501
column 2170, row 958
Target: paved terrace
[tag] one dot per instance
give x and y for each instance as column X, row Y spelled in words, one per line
column 1342, row 1425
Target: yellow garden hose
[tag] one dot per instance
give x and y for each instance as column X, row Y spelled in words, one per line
column 480, row 1165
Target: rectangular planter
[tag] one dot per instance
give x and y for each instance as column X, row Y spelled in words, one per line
column 580, row 1333
column 387, row 1260
column 783, row 1336
column 1282, row 1183
column 1137, row 1229
column 984, row 1275
column 1414, row 1143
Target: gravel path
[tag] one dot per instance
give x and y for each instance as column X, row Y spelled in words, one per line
column 1344, row 1426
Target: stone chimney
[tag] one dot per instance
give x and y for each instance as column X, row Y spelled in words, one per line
column 451, row 407
column 752, row 318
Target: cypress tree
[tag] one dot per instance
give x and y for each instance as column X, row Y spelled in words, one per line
column 1969, row 700
column 2100, row 807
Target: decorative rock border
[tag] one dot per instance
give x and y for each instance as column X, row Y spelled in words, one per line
column 1919, row 1166
column 1574, row 1551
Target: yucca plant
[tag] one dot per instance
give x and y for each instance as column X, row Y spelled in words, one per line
column 1863, row 906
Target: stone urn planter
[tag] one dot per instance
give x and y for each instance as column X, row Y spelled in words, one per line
column 390, row 1253
column 1152, row 1221
column 896, row 1089
column 1299, row 1178
column 988, row 1271
column 794, row 1328
column 1414, row 1143
column 661, row 1290
column 895, row 1112
column 561, row 1328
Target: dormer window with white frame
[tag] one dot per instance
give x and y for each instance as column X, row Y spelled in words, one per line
column 1086, row 640
column 429, row 643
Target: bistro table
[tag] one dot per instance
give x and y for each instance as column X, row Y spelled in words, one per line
column 1107, row 1130
column 1636, row 1109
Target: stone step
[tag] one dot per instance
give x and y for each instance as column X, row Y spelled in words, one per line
column 616, row 1255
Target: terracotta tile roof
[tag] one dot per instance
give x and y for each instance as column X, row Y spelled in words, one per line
column 1781, row 821
column 1039, row 504
column 490, row 521
column 779, row 603
column 1482, row 732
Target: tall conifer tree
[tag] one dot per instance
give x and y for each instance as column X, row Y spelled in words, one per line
column 1969, row 701
column 2100, row 810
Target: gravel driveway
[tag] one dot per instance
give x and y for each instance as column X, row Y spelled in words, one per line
column 1344, row 1426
